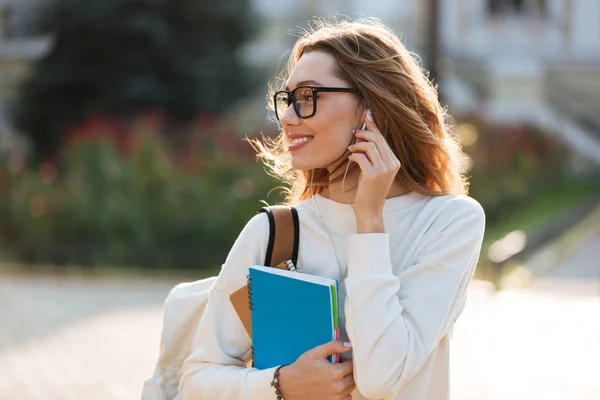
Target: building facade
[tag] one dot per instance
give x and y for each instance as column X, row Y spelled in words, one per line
column 512, row 61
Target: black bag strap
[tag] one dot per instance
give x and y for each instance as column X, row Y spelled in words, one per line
column 284, row 236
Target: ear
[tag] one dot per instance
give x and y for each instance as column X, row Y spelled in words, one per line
column 362, row 112
column 364, row 106
column 364, row 116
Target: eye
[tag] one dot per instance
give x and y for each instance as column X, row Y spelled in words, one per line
column 304, row 94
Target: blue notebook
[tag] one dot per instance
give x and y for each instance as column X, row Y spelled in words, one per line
column 292, row 313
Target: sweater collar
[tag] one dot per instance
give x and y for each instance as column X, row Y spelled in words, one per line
column 392, row 205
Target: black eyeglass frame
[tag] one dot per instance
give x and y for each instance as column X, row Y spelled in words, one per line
column 315, row 89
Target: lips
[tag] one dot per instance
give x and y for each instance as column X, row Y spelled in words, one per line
column 297, row 141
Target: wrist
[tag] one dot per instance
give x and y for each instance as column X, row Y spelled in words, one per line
column 369, row 223
column 277, row 379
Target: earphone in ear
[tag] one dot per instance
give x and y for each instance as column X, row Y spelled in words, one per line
column 358, row 140
column 354, row 141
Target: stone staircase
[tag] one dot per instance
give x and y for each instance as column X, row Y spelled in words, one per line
column 576, row 94
column 563, row 101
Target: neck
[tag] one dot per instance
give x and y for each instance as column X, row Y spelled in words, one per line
column 335, row 191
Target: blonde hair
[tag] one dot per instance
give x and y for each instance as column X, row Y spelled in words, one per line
column 403, row 102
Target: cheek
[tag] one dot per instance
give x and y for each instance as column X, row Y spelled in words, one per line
column 335, row 124
column 333, row 134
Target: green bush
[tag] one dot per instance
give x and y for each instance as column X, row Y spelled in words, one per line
column 523, row 178
column 138, row 201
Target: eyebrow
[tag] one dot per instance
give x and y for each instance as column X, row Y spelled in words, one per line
column 304, row 83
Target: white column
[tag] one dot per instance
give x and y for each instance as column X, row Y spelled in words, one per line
column 585, row 25
column 449, row 24
column 555, row 39
column 478, row 18
column 556, row 9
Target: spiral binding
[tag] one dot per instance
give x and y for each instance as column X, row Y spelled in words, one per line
column 252, row 355
column 290, row 265
column 251, row 304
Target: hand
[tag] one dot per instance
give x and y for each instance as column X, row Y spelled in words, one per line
column 379, row 167
column 313, row 377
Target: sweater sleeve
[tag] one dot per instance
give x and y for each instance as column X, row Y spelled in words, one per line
column 217, row 366
column 395, row 320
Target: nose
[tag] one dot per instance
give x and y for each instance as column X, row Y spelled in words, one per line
column 289, row 117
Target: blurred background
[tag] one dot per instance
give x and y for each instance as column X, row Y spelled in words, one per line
column 123, row 171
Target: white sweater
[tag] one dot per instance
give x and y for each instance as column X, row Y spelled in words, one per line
column 401, row 292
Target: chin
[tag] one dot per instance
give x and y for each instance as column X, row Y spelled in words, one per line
column 307, row 165
column 304, row 160
column 303, row 165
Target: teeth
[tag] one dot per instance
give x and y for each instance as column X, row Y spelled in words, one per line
column 300, row 140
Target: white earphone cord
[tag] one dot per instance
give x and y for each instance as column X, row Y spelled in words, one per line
column 312, row 172
column 314, row 197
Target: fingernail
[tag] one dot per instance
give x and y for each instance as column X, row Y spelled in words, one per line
column 369, row 116
column 347, row 344
column 353, row 130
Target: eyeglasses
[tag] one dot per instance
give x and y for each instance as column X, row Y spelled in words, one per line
column 304, row 99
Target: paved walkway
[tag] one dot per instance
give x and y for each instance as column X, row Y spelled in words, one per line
column 97, row 340
column 578, row 275
column 536, row 343
column 77, row 339
column 527, row 345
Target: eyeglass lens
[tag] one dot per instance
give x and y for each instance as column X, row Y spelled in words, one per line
column 302, row 98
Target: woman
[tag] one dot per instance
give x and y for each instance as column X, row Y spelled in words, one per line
column 387, row 216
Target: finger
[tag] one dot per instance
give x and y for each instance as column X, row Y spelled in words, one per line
column 344, row 387
column 372, row 152
column 348, row 383
column 343, row 369
column 363, row 162
column 376, row 137
column 374, row 134
column 330, row 348
column 389, row 159
column 379, row 140
column 344, row 359
column 370, row 122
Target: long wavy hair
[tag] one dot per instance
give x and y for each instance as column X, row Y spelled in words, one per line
column 403, row 102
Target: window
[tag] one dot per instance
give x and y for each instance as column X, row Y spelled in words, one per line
column 526, row 8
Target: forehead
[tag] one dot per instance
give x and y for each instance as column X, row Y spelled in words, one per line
column 316, row 66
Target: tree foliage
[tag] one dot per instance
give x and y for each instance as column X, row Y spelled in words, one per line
column 118, row 57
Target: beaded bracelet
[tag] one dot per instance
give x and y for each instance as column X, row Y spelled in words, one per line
column 275, row 382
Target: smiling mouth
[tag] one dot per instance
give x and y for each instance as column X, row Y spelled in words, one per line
column 299, row 141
